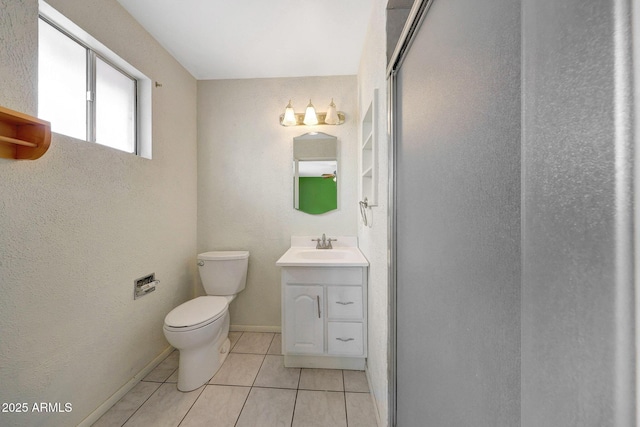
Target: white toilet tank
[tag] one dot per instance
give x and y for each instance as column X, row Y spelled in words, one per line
column 223, row 272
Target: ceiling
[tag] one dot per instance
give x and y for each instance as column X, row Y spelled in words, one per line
column 233, row 39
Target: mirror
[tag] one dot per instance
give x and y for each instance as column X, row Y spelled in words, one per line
column 315, row 173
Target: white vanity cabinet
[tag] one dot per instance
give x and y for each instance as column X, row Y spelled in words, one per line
column 324, row 317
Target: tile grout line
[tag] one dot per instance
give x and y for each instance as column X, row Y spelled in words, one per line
column 264, row 356
column 145, row 401
column 154, row 392
column 344, row 391
column 243, row 405
column 250, row 387
column 254, row 381
column 270, row 342
column 194, row 402
column 295, row 402
column 259, row 354
column 231, row 347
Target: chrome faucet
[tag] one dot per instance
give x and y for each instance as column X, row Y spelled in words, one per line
column 324, row 243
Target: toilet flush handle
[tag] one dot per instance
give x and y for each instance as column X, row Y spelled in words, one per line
column 200, row 263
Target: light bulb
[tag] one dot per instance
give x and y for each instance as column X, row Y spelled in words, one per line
column 310, row 117
column 289, row 118
column 332, row 114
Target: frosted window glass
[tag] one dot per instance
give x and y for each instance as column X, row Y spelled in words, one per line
column 62, row 77
column 115, row 108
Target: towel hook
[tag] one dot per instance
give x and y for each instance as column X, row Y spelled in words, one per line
column 364, row 204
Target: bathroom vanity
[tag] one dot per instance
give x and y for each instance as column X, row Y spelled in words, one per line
column 324, row 305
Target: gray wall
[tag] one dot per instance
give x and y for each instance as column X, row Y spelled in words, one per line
column 458, row 218
column 577, row 283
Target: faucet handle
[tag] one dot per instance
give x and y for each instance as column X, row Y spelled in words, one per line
column 329, row 240
column 318, row 242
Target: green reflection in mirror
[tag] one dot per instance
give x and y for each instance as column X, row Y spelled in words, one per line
column 315, row 173
column 317, row 186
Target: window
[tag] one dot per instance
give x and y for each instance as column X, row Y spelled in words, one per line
column 88, row 92
column 115, row 104
column 62, row 82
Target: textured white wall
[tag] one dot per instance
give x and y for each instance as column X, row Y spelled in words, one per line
column 245, row 177
column 80, row 224
column 373, row 238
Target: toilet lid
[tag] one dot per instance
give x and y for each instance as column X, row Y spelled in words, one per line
column 196, row 311
column 223, row 255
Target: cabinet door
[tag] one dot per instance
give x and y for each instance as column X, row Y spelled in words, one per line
column 304, row 330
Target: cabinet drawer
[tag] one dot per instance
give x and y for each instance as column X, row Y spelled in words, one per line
column 344, row 302
column 345, row 338
column 323, row 275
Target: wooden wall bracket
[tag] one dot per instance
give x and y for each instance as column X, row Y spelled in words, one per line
column 22, row 136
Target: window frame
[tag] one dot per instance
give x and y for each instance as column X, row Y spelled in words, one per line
column 95, row 49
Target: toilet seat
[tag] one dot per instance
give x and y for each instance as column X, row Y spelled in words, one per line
column 196, row 313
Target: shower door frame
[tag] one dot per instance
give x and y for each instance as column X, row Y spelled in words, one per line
column 413, row 23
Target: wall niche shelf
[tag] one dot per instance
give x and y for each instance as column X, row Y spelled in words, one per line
column 22, row 136
column 368, row 157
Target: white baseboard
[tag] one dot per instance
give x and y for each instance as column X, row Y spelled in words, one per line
column 373, row 399
column 100, row 411
column 254, row 328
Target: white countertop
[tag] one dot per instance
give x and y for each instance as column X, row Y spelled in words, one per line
column 303, row 253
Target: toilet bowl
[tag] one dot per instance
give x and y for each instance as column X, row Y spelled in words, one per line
column 199, row 328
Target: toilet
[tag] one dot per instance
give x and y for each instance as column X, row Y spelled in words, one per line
column 199, row 328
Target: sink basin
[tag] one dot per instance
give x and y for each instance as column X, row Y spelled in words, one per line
column 323, row 254
column 308, row 256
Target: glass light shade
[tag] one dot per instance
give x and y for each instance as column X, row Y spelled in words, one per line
column 310, row 117
column 289, row 118
column 332, row 114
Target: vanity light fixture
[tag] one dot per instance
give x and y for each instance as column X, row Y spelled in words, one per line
column 311, row 117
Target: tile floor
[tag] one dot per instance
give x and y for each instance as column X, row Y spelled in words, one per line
column 252, row 388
